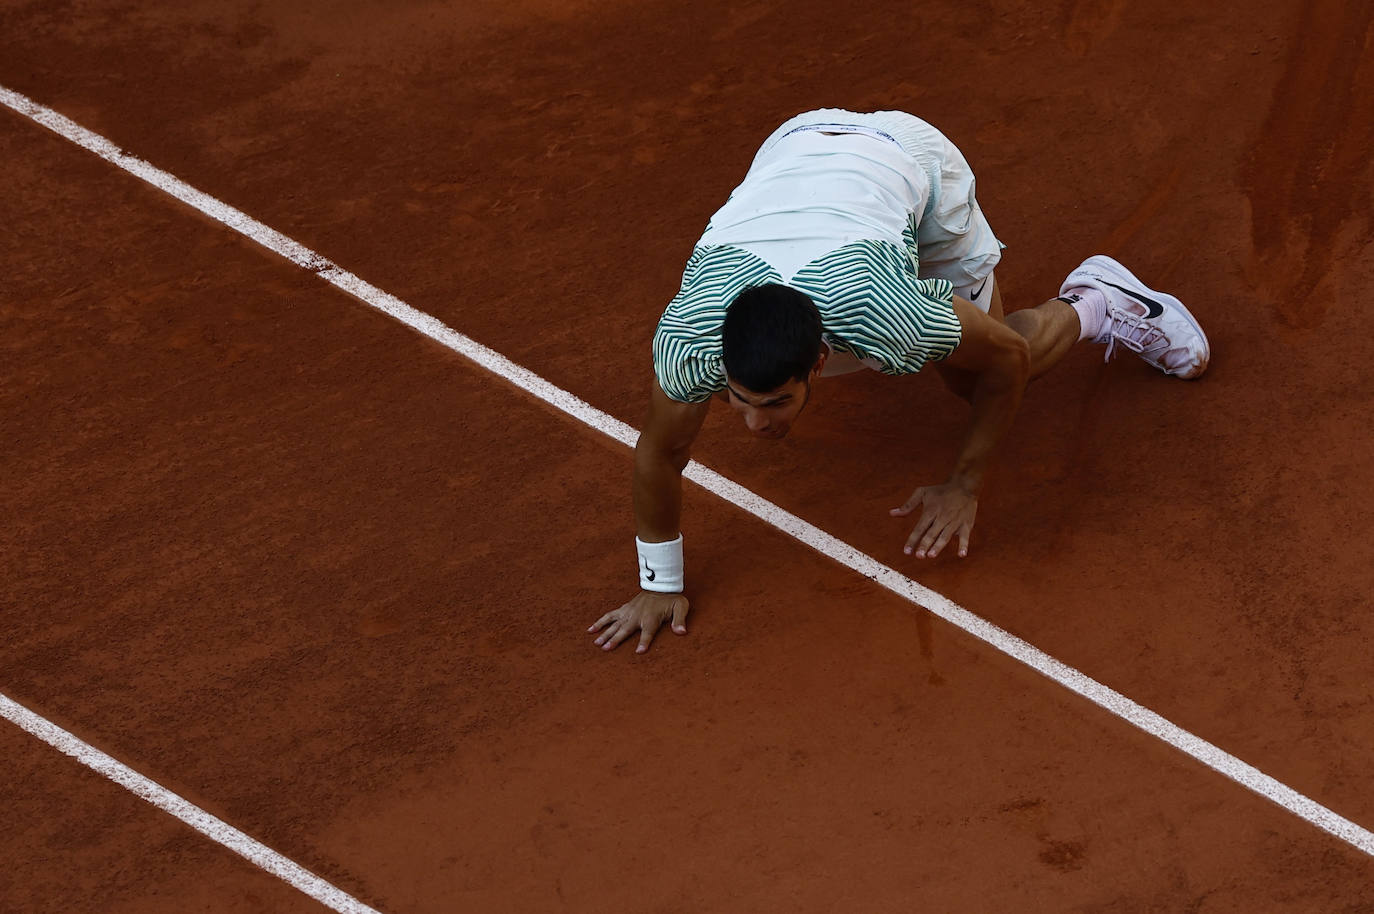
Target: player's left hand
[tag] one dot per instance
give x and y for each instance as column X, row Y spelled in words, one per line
column 946, row 510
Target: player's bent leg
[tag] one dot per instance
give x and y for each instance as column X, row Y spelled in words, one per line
column 1050, row 330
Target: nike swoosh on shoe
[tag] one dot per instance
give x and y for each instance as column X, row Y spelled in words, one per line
column 1153, row 308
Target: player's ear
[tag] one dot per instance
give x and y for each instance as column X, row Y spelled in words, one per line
column 820, row 362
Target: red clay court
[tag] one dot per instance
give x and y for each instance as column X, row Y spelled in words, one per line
column 329, row 580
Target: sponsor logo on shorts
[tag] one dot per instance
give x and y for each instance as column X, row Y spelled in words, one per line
column 1153, row 308
column 979, row 291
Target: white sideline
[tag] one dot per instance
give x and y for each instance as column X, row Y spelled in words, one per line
column 214, row 828
column 1114, row 702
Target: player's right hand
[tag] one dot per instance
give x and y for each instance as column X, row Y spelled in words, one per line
column 644, row 614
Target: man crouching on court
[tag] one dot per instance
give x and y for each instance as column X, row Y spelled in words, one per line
column 854, row 242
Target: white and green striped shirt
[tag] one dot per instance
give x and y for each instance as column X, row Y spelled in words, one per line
column 832, row 211
column 871, row 302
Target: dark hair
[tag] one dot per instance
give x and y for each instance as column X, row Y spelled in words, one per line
column 771, row 335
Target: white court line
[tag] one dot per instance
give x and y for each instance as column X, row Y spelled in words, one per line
column 215, row 828
column 1114, row 702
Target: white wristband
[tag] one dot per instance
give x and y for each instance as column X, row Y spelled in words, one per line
column 660, row 565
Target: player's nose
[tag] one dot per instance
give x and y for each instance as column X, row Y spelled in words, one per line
column 755, row 420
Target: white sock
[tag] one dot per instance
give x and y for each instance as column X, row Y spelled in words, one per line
column 1091, row 306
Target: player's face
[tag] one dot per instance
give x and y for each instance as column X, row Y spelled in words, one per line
column 771, row 414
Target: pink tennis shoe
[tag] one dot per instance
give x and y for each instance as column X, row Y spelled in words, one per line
column 1155, row 326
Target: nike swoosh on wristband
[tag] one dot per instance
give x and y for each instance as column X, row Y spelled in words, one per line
column 1152, row 307
column 650, row 574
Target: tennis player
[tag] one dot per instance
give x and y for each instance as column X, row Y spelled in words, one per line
column 855, row 242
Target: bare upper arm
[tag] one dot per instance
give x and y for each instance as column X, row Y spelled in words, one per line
column 985, row 342
column 671, row 426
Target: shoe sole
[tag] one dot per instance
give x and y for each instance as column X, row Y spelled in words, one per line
column 1101, row 263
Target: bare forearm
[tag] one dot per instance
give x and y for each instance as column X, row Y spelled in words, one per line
column 660, row 455
column 996, row 398
column 657, row 495
column 663, row 449
column 991, row 364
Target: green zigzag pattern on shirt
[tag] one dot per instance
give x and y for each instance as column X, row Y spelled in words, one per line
column 872, row 304
column 687, row 342
column 870, row 299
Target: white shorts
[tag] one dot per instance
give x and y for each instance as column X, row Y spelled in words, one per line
column 953, row 238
